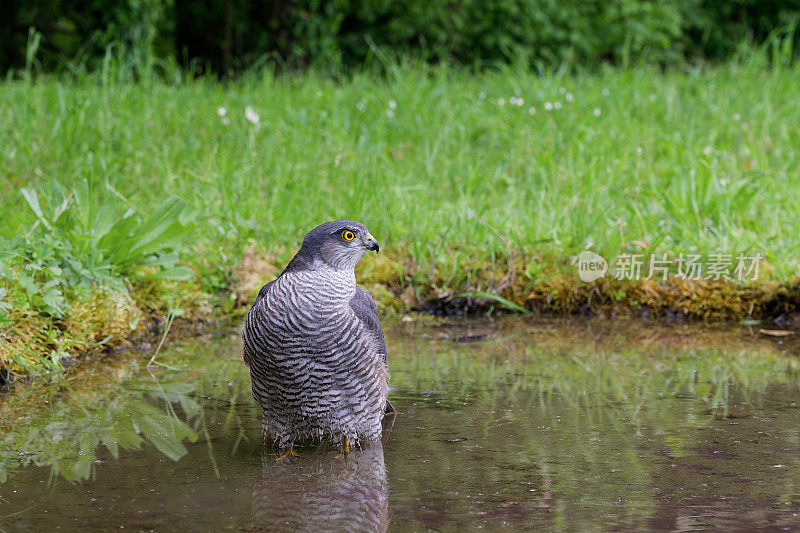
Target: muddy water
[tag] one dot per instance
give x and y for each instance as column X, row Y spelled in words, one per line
column 511, row 424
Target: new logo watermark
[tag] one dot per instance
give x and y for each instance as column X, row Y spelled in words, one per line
column 591, row 266
column 717, row 266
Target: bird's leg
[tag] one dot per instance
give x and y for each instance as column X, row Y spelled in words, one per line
column 345, row 448
column 290, row 451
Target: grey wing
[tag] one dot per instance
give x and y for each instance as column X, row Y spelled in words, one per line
column 264, row 290
column 365, row 309
column 248, row 326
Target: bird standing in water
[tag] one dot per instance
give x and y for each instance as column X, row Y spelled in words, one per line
column 315, row 347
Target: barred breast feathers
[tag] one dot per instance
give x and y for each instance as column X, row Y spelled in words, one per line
column 322, row 305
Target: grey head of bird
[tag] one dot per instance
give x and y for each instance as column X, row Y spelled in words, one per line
column 338, row 244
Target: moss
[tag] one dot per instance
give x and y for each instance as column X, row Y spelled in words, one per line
column 386, row 300
column 455, row 282
column 400, row 283
column 255, row 269
column 26, row 335
column 103, row 317
column 32, row 344
column 187, row 299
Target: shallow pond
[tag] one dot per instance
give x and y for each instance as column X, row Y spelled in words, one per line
column 506, row 424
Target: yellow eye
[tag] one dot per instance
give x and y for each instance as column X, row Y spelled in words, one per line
column 348, row 235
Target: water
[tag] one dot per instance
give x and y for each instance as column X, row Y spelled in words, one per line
column 511, row 424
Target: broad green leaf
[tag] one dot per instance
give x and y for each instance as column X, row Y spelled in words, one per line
column 178, row 273
column 33, row 201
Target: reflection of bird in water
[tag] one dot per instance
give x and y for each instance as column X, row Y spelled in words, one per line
column 323, row 492
column 314, row 344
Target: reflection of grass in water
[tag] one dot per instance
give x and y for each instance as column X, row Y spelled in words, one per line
column 165, row 410
column 621, row 391
column 579, row 427
column 564, row 416
column 588, row 380
column 68, row 438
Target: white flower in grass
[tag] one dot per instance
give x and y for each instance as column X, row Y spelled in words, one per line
column 225, row 121
column 512, row 100
column 737, row 117
column 482, row 95
column 569, row 97
column 597, row 112
column 557, row 105
column 361, row 105
column 605, row 92
column 501, row 101
column 548, row 106
column 562, row 90
column 221, row 111
column 520, row 102
column 392, row 104
column 251, row 115
column 389, row 113
column 531, row 110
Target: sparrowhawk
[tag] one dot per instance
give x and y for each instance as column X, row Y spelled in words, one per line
column 315, row 347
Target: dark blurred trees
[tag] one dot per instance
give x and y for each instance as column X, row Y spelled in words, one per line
column 229, row 35
column 81, row 31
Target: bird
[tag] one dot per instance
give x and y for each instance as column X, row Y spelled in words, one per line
column 315, row 347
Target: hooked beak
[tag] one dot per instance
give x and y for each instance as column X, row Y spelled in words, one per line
column 372, row 244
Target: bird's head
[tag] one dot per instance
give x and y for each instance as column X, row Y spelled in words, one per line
column 338, row 244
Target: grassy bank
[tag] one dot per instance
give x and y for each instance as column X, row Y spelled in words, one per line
column 479, row 186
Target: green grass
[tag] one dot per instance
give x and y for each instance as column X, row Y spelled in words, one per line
column 701, row 160
column 637, row 160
